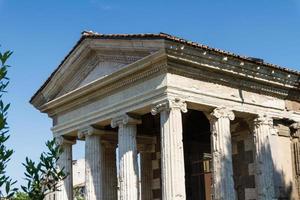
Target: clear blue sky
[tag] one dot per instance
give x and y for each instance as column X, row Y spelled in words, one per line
column 42, row 32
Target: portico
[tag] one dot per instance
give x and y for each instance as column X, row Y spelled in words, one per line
column 194, row 115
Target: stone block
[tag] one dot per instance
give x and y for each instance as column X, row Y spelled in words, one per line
column 156, row 183
column 251, row 168
column 250, row 193
column 155, row 164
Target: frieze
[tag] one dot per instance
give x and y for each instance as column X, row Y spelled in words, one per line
column 236, row 66
column 283, row 82
column 228, row 80
column 160, row 67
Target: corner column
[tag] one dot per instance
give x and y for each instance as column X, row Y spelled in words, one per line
column 65, row 187
column 129, row 185
column 223, row 185
column 262, row 129
column 172, row 157
column 93, row 163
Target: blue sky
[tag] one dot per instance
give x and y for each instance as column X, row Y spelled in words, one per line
column 42, row 32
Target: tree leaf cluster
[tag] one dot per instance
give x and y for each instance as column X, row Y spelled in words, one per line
column 7, row 185
column 21, row 196
column 44, row 176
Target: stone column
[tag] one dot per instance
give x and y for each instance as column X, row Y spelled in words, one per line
column 65, row 187
column 128, row 177
column 110, row 188
column 93, row 163
column 223, row 185
column 262, row 129
column 146, row 175
column 172, row 157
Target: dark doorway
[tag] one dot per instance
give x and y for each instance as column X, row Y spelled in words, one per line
column 197, row 155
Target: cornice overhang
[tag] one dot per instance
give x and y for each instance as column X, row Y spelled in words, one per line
column 234, row 72
column 130, row 73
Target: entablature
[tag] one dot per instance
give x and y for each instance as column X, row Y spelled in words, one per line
column 213, row 67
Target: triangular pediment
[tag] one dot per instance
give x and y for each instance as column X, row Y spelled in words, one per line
column 91, row 60
column 94, row 68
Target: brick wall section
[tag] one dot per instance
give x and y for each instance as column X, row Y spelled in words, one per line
column 156, row 170
column 243, row 165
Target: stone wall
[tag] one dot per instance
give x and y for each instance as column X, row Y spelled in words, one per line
column 156, row 169
column 243, row 165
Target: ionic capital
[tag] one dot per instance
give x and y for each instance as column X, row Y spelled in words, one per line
column 222, row 112
column 169, row 104
column 263, row 120
column 124, row 120
column 88, row 131
column 295, row 126
column 61, row 140
column 295, row 129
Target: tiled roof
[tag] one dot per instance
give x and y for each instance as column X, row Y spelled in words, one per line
column 90, row 34
column 95, row 35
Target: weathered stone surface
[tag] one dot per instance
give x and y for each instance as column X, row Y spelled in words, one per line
column 93, row 168
column 223, row 185
column 65, row 191
column 128, row 175
column 173, row 180
column 262, row 130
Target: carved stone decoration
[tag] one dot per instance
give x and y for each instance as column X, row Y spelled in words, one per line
column 93, row 163
column 172, row 157
column 124, row 120
column 262, row 130
column 65, row 187
column 296, row 129
column 169, row 104
column 128, row 166
column 223, row 185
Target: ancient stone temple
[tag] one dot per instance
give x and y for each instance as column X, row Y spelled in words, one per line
column 188, row 121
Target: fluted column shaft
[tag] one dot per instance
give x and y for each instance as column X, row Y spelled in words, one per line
column 128, row 174
column 110, row 190
column 93, row 167
column 172, row 157
column 223, row 185
column 65, row 189
column 146, row 175
column 263, row 159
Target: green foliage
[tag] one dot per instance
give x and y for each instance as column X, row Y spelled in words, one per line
column 6, row 183
column 21, row 196
column 78, row 193
column 43, row 177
